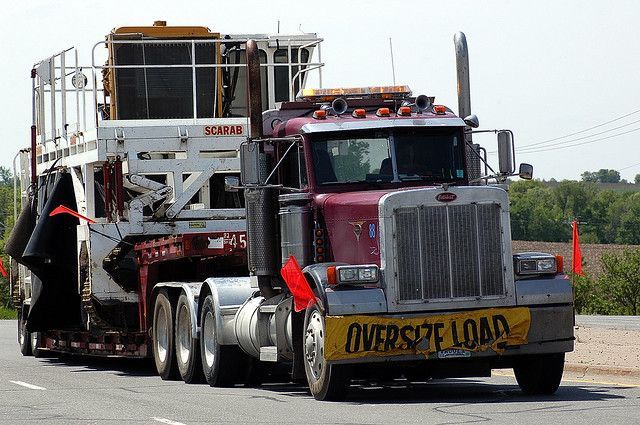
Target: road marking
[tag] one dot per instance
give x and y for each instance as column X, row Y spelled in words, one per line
column 30, row 386
column 167, row 421
column 582, row 381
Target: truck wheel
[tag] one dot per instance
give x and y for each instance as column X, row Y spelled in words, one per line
column 326, row 381
column 222, row 365
column 24, row 339
column 187, row 347
column 164, row 353
column 539, row 374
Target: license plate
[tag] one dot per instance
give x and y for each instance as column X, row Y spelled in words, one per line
column 453, row 353
column 352, row 337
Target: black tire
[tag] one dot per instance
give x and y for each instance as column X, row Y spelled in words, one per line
column 24, row 337
column 187, row 347
column 327, row 382
column 539, row 374
column 164, row 353
column 222, row 366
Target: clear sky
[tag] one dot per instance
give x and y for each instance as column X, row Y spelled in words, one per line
column 544, row 69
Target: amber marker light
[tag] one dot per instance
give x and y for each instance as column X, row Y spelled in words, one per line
column 359, row 113
column 440, row 109
column 559, row 264
column 320, row 114
column 331, row 275
column 404, row 111
column 383, row 112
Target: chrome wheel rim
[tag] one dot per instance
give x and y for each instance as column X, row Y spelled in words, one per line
column 162, row 334
column 208, row 334
column 314, row 345
column 20, row 332
column 184, row 334
column 34, row 340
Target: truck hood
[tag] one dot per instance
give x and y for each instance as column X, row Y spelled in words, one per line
column 352, row 220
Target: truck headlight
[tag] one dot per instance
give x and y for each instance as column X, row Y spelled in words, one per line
column 368, row 273
column 528, row 263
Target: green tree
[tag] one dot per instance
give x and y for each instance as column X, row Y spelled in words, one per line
column 603, row 175
column 627, row 220
column 605, row 209
column 620, row 282
column 535, row 214
column 6, row 224
column 637, row 179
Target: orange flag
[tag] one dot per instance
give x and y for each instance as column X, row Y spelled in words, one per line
column 576, row 260
column 297, row 284
column 61, row 209
column 3, row 272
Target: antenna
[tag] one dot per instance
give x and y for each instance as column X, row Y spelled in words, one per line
column 393, row 68
column 278, row 26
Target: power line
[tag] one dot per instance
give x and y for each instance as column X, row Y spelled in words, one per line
column 545, row 149
column 524, row 149
column 629, row 166
column 581, row 131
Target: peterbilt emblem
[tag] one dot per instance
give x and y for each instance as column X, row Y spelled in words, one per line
column 446, row 197
column 357, row 228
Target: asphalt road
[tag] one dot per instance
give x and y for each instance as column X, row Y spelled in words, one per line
column 626, row 323
column 104, row 391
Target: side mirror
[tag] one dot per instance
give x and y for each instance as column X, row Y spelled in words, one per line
column 526, row 171
column 506, row 151
column 231, row 183
column 472, row 121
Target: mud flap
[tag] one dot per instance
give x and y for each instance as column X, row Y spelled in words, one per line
column 50, row 254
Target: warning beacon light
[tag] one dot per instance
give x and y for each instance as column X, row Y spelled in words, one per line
column 376, row 92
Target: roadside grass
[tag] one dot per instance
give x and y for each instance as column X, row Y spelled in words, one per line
column 8, row 313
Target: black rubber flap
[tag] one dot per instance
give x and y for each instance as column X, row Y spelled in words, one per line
column 51, row 255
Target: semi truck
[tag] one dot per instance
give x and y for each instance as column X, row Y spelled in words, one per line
column 214, row 213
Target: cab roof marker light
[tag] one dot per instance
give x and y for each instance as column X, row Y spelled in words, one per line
column 359, row 113
column 383, row 112
column 320, row 114
column 404, row 111
column 440, row 109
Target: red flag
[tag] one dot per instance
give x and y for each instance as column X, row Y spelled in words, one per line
column 3, row 272
column 61, row 209
column 298, row 285
column 576, row 260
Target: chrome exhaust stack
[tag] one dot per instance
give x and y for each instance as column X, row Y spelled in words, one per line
column 464, row 105
column 462, row 67
column 259, row 198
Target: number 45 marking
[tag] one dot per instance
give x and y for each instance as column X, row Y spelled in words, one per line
column 235, row 240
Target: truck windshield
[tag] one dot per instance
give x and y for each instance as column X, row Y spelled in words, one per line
column 425, row 154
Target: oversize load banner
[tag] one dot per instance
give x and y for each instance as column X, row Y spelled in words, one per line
column 352, row 337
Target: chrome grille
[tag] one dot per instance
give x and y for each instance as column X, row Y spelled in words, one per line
column 448, row 252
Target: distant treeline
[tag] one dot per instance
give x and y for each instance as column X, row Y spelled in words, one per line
column 542, row 212
column 6, row 224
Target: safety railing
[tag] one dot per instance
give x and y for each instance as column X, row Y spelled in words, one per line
column 62, row 92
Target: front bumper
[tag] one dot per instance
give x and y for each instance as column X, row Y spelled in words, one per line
column 549, row 330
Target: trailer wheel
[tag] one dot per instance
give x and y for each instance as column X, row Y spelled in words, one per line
column 24, row 339
column 164, row 353
column 187, row 347
column 539, row 374
column 222, row 365
column 326, row 381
